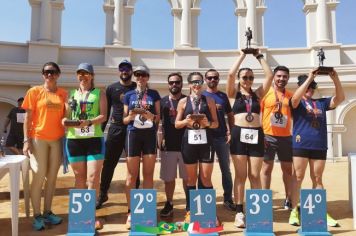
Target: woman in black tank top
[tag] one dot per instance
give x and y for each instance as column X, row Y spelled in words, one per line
column 197, row 114
column 247, row 138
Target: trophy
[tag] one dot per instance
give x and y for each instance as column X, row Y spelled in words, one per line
column 248, row 49
column 323, row 70
column 73, row 106
column 196, row 116
column 138, row 109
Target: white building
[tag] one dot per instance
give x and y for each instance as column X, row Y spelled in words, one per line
column 20, row 63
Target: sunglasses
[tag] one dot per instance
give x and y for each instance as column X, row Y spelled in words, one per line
column 125, row 69
column 52, row 72
column 250, row 78
column 83, row 73
column 196, row 82
column 210, row 78
column 174, row 82
column 140, row 74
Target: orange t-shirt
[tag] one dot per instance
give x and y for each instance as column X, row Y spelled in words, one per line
column 47, row 112
column 268, row 108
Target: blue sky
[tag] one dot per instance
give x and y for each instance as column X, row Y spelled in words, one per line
column 84, row 24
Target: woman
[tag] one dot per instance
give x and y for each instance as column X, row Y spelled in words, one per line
column 310, row 135
column 247, row 138
column 197, row 141
column 43, row 132
column 85, row 140
column 141, row 114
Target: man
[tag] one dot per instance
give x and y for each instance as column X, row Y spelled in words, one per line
column 115, row 140
column 15, row 138
column 276, row 122
column 221, row 135
column 170, row 142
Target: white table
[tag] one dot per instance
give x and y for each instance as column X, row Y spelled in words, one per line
column 13, row 164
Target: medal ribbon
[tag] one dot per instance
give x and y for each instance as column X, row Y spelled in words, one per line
column 83, row 103
column 313, row 109
column 248, row 103
column 279, row 103
column 142, row 100
column 171, row 108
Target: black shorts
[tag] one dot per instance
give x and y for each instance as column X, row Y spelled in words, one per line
column 310, row 153
column 88, row 149
column 239, row 148
column 282, row 146
column 194, row 153
column 14, row 141
column 141, row 142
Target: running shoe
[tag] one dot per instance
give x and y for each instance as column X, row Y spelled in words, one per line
column 167, row 211
column 38, row 223
column 294, row 217
column 51, row 218
column 331, row 221
column 187, row 217
column 230, row 205
column 103, row 197
column 287, row 204
column 240, row 220
column 128, row 221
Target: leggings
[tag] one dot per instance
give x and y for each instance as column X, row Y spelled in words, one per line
column 45, row 162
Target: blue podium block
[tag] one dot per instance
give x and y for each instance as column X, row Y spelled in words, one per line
column 81, row 219
column 313, row 212
column 203, row 209
column 143, row 204
column 259, row 214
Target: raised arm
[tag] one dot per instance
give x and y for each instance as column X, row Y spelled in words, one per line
column 180, row 122
column 339, row 96
column 263, row 89
column 297, row 96
column 231, row 77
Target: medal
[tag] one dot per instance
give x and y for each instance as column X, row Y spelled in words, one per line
column 315, row 124
column 83, row 116
column 278, row 115
column 172, row 112
column 196, row 125
column 248, row 102
column 249, row 117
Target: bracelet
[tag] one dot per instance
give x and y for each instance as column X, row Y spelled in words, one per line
column 259, row 56
column 26, row 140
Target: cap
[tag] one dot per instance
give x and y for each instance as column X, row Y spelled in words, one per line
column 303, row 78
column 20, row 99
column 87, row 67
column 125, row 63
column 142, row 68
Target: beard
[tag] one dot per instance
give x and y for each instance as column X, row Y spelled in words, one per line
column 175, row 90
column 281, row 84
column 125, row 78
column 212, row 84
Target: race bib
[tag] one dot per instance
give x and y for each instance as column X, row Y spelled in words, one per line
column 141, row 123
column 87, row 131
column 20, row 117
column 279, row 122
column 197, row 136
column 249, row 136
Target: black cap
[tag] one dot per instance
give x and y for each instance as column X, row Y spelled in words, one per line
column 125, row 63
column 303, row 78
column 20, row 99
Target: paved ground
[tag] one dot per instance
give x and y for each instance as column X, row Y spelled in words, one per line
column 114, row 212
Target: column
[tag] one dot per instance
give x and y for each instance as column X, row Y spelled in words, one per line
column 251, row 20
column 45, row 22
column 109, row 13
column 322, row 23
column 118, row 22
column 186, row 20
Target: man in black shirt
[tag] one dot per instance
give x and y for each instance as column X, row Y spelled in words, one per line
column 115, row 140
column 170, row 142
column 15, row 138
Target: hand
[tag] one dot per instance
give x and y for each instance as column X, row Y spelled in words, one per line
column 313, row 73
column 228, row 137
column 333, row 75
column 242, row 53
column 27, row 148
column 205, row 122
column 132, row 115
column 84, row 123
column 148, row 115
column 257, row 52
column 188, row 120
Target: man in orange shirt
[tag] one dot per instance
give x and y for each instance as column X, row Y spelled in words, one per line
column 276, row 123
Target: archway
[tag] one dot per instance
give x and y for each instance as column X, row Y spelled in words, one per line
column 348, row 119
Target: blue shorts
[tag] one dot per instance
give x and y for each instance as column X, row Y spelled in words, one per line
column 83, row 150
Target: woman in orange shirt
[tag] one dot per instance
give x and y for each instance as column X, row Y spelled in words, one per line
column 43, row 132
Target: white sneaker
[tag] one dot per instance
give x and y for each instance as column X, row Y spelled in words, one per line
column 128, row 221
column 240, row 220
